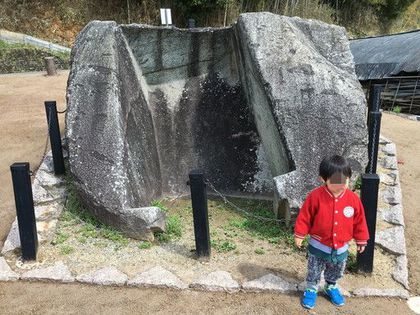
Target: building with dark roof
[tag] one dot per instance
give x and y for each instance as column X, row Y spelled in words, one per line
column 394, row 62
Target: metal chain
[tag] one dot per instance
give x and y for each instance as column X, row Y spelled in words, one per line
column 180, row 195
column 247, row 213
column 62, row 112
column 33, row 172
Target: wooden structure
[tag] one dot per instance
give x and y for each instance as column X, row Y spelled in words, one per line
column 394, row 62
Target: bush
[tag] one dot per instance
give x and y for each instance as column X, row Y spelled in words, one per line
column 23, row 58
column 173, row 229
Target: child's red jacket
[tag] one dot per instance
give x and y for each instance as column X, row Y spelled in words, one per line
column 333, row 221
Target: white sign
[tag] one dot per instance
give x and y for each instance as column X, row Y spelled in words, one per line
column 165, row 16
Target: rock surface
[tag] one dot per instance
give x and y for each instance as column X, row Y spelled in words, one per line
column 390, row 149
column 7, row 274
column 392, row 240
column 382, row 292
column 393, row 215
column 104, row 276
column 400, row 273
column 414, row 304
column 256, row 106
column 392, row 195
column 390, row 162
column 301, row 82
column 389, row 179
column 158, row 277
column 216, row 281
column 269, row 282
column 12, row 241
column 58, row 272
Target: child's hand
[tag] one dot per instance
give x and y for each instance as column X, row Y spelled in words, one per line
column 298, row 242
column 361, row 248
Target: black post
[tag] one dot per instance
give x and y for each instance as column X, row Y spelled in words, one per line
column 373, row 145
column 374, row 102
column 25, row 209
column 200, row 213
column 55, row 137
column 191, row 23
column 369, row 196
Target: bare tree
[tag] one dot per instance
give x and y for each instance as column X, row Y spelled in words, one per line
column 128, row 12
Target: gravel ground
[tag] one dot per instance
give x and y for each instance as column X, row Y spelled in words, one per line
column 23, row 138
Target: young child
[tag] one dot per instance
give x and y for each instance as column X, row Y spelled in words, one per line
column 332, row 215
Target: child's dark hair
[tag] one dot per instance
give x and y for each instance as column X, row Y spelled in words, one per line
column 332, row 165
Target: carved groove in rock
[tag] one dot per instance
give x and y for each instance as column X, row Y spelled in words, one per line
column 256, row 106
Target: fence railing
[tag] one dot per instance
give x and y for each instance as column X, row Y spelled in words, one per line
column 22, row 186
column 13, row 37
column 401, row 91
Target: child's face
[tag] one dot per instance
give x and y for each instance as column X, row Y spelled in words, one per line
column 337, row 183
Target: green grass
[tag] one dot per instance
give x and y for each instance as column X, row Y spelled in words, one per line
column 159, row 204
column 397, row 109
column 271, row 231
column 352, row 262
column 223, row 245
column 82, row 239
column 76, row 210
column 174, row 226
column 229, row 226
column 113, row 235
column 144, row 245
column 88, row 230
column 60, row 238
column 358, row 183
column 237, row 223
column 7, row 45
column 76, row 218
column 163, row 237
column 100, row 243
column 259, row 251
column 69, row 218
column 16, row 57
column 174, row 229
column 66, row 249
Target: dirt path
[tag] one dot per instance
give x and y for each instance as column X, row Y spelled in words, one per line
column 23, row 128
column 81, row 299
column 406, row 134
column 22, row 138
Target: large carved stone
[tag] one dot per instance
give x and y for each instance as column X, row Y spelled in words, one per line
column 305, row 95
column 256, row 106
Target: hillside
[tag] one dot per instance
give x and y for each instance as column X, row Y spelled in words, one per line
column 60, row 21
column 24, row 58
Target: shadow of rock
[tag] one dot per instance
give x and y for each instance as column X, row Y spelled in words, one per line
column 179, row 249
column 253, row 271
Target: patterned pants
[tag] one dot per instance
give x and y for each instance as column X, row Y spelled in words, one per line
column 332, row 272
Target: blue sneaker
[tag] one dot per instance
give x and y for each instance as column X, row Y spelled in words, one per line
column 334, row 294
column 309, row 298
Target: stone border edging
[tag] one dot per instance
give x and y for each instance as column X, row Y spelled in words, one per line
column 159, row 277
column 392, row 239
column 49, row 196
